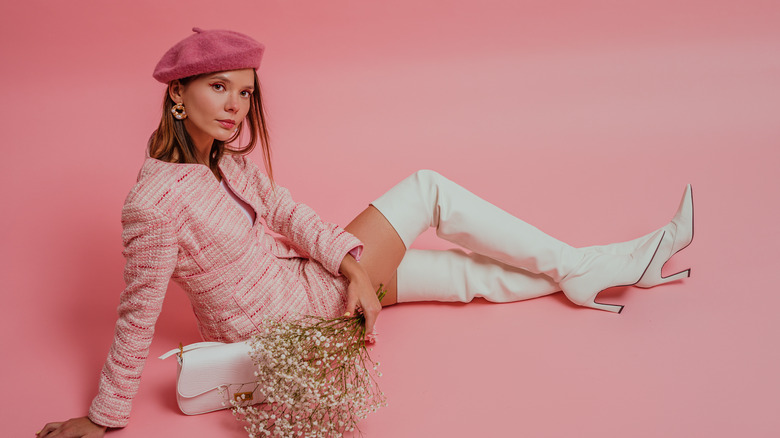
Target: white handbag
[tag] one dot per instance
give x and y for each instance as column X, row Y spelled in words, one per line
column 211, row 374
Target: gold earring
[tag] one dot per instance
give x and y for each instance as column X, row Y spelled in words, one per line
column 179, row 112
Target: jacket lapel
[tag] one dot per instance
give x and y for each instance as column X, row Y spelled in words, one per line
column 241, row 184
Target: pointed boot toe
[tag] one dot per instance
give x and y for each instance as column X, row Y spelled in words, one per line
column 679, row 234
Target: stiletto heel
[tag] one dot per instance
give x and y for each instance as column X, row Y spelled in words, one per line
column 614, row 308
column 678, row 237
column 650, row 280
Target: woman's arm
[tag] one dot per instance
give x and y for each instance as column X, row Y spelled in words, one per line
column 322, row 241
column 151, row 251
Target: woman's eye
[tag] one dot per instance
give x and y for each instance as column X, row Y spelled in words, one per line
column 246, row 93
column 218, row 87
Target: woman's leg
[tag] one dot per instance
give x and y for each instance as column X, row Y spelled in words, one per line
column 446, row 275
column 426, row 199
column 382, row 252
column 455, row 275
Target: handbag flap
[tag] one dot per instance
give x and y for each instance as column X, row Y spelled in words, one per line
column 208, row 368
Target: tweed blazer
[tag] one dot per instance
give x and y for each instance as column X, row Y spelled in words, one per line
column 178, row 223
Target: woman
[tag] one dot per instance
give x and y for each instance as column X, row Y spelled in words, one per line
column 194, row 217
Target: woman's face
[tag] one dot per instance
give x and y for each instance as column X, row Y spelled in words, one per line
column 215, row 103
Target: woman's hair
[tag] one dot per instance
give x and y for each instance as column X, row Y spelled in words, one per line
column 170, row 141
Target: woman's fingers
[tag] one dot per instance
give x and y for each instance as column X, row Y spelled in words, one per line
column 73, row 428
column 371, row 310
column 352, row 300
column 49, row 428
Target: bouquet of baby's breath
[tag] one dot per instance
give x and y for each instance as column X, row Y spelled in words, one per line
column 317, row 377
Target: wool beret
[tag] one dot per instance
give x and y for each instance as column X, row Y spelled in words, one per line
column 208, row 51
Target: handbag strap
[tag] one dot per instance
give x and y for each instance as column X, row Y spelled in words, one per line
column 183, row 349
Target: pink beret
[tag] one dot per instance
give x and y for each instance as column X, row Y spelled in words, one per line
column 208, row 51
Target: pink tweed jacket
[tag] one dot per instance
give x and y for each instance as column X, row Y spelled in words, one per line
column 178, row 223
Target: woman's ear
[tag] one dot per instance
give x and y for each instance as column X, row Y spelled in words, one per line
column 175, row 89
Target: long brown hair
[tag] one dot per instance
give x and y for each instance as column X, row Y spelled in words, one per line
column 170, row 141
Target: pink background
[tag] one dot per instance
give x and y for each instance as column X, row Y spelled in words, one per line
column 585, row 118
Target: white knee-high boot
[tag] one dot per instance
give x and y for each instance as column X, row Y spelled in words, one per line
column 678, row 234
column 427, row 199
column 454, row 275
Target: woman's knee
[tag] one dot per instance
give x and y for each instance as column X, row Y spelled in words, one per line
column 429, row 178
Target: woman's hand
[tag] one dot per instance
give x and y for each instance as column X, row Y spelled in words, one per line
column 73, row 428
column 360, row 292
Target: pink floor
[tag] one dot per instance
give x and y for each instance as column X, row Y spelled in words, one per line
column 585, row 118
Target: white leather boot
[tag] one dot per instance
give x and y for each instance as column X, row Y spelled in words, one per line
column 678, row 234
column 427, row 199
column 455, row 275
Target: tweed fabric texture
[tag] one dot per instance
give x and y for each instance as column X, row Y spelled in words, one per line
column 178, row 223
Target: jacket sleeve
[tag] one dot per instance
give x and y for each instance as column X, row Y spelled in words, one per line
column 323, row 241
column 150, row 253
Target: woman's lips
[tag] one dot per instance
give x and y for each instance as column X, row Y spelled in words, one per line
column 227, row 124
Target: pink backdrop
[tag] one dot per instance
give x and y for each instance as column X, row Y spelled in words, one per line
column 585, row 118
